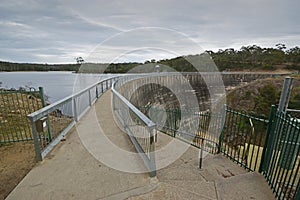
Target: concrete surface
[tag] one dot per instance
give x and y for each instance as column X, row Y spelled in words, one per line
column 219, row 178
column 70, row 172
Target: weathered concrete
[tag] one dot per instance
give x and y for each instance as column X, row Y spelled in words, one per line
column 219, row 178
column 70, row 172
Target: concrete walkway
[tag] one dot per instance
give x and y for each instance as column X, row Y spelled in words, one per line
column 71, row 172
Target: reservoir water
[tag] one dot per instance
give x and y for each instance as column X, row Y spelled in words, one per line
column 57, row 85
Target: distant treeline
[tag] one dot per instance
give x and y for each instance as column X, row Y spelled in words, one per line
column 251, row 57
column 9, row 66
column 255, row 57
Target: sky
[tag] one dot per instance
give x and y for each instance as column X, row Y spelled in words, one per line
column 57, row 31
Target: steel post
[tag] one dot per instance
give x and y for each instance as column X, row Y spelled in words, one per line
column 285, row 94
column 37, row 148
column 41, row 90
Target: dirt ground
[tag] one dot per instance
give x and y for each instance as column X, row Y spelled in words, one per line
column 16, row 160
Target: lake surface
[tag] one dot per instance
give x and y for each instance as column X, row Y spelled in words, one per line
column 57, row 85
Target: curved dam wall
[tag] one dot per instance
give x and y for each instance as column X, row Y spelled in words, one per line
column 167, row 89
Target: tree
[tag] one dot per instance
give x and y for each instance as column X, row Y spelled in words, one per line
column 293, row 54
column 79, row 60
column 280, row 46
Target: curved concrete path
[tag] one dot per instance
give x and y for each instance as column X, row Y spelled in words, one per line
column 71, row 172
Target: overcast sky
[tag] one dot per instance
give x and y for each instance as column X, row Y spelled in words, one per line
column 56, row 31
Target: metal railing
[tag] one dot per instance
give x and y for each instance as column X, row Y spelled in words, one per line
column 15, row 105
column 269, row 146
column 206, row 135
column 243, row 138
column 140, row 129
column 51, row 123
column 282, row 156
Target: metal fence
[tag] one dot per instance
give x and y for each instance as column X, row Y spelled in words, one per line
column 281, row 159
column 243, row 138
column 140, row 129
column 269, row 146
column 15, row 105
column 208, row 125
column 52, row 122
column 293, row 113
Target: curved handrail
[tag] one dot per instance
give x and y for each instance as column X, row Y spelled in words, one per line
column 48, row 109
column 43, row 144
column 141, row 115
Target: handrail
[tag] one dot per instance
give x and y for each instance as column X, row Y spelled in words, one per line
column 144, row 146
column 43, row 144
column 48, row 109
column 141, row 115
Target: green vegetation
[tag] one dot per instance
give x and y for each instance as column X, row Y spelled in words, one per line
column 251, row 57
column 268, row 95
column 255, row 57
column 15, row 105
column 259, row 96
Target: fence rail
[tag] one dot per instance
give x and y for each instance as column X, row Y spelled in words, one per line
column 243, row 138
column 51, row 123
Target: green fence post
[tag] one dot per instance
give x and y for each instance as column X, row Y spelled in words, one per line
column 221, row 128
column 41, row 90
column 269, row 139
column 297, row 195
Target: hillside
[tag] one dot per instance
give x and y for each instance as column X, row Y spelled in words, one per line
column 247, row 58
column 260, row 95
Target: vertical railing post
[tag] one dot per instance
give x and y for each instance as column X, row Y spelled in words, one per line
column 113, row 101
column 266, row 154
column 223, row 119
column 297, row 195
column 41, row 91
column 282, row 107
column 201, row 153
column 285, row 94
column 37, row 148
column 90, row 98
column 152, row 152
column 97, row 93
column 175, row 121
column 102, row 87
column 75, row 110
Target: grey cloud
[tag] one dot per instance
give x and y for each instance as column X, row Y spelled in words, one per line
column 56, row 31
